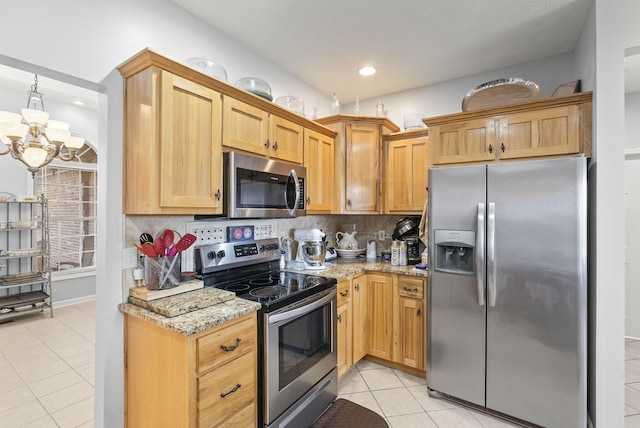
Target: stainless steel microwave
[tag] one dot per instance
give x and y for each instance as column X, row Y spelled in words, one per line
column 257, row 187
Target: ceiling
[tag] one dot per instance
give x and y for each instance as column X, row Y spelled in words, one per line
column 412, row 43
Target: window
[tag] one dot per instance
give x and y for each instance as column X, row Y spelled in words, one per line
column 71, row 191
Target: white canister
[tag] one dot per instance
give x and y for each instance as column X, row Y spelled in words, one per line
column 371, row 249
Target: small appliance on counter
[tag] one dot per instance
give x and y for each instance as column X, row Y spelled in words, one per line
column 312, row 248
column 407, row 230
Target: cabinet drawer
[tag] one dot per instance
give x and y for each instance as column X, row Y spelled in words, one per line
column 226, row 391
column 225, row 344
column 413, row 288
column 344, row 291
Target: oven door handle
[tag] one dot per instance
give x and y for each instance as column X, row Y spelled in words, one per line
column 303, row 307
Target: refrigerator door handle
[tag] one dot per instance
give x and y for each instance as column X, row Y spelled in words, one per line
column 480, row 253
column 491, row 254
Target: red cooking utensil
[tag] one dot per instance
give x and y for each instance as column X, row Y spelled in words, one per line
column 147, row 249
column 185, row 242
column 158, row 246
column 167, row 238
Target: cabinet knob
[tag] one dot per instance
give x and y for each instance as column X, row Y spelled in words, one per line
column 275, row 146
column 490, row 148
column 235, row 388
column 267, row 144
column 502, row 147
column 218, row 194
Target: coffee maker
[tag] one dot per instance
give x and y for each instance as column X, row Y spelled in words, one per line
column 407, row 229
column 312, row 247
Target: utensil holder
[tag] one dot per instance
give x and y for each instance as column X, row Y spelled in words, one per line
column 162, row 272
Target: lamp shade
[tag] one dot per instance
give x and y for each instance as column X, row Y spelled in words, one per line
column 35, row 116
column 75, row 142
column 34, row 156
column 57, row 136
column 10, row 117
column 57, row 124
column 16, row 130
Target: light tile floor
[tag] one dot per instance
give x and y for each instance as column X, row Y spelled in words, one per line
column 47, row 369
column 47, row 379
column 403, row 400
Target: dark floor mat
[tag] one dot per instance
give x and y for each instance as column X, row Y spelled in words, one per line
column 346, row 414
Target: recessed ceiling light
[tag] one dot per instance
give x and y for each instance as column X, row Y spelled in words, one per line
column 78, row 102
column 367, row 70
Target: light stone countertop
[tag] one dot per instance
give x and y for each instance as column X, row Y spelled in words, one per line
column 342, row 268
column 180, row 304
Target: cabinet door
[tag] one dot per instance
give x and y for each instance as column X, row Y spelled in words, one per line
column 345, row 338
column 380, row 303
column 190, row 172
column 285, row 139
column 468, row 141
column 359, row 317
column 412, row 332
column 553, row 131
column 407, row 175
column 245, row 127
column 318, row 159
column 362, row 177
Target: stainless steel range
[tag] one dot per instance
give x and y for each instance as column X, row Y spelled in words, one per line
column 297, row 375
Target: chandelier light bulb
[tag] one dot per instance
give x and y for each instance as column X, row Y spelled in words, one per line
column 34, row 156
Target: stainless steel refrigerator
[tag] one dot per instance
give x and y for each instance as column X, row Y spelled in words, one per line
column 507, row 322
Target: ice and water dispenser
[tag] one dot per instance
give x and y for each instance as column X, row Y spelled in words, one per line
column 455, row 251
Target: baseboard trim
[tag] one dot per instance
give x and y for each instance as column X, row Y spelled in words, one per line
column 75, row 301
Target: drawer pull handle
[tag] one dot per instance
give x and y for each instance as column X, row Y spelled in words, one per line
column 490, row 148
column 345, row 294
column 235, row 388
column 357, row 287
column 502, row 147
column 230, row 348
column 340, row 319
column 410, row 290
column 267, row 144
column 275, row 146
column 218, row 194
column 418, row 313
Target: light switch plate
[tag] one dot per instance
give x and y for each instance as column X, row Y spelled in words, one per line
column 130, row 258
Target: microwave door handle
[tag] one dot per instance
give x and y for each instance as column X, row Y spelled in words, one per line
column 294, row 210
column 301, row 309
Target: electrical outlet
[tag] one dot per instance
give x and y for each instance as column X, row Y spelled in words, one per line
column 130, row 258
column 381, row 235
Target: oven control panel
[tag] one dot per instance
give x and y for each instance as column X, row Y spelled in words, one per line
column 215, row 257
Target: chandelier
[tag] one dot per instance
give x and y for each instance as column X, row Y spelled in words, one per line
column 32, row 138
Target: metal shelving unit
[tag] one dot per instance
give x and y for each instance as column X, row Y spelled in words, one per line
column 25, row 276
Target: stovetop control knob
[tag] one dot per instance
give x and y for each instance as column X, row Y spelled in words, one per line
column 211, row 255
column 220, row 254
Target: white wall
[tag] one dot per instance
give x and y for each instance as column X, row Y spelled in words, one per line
column 446, row 97
column 632, row 120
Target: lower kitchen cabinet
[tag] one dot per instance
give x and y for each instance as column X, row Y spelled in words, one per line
column 204, row 380
column 345, row 326
column 410, row 322
column 380, row 315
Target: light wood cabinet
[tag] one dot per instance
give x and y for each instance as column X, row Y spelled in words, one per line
column 345, row 326
column 359, row 316
column 358, row 162
column 410, row 322
column 548, row 127
column 318, row 159
column 407, row 172
column 379, row 289
column 253, row 130
column 190, row 381
column 172, row 155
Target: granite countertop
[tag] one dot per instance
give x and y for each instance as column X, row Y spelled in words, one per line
column 342, row 268
column 190, row 312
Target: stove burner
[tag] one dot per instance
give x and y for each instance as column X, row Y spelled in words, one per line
column 267, row 292
column 262, row 281
column 237, row 288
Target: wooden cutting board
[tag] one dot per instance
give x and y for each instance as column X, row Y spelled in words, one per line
column 143, row 293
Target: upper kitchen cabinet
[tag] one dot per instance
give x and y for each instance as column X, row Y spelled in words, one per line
column 406, row 172
column 178, row 121
column 358, row 162
column 256, row 131
column 549, row 127
column 318, row 159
